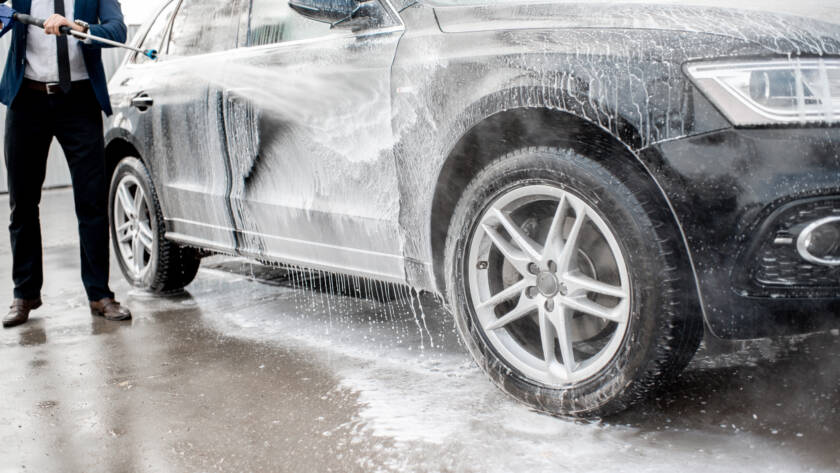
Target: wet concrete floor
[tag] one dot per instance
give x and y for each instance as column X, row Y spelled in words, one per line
column 255, row 369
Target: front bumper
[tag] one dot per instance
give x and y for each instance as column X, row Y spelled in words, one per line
column 740, row 197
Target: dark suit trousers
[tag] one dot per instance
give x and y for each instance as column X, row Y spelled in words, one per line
column 75, row 119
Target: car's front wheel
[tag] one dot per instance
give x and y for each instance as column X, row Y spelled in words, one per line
column 147, row 259
column 566, row 285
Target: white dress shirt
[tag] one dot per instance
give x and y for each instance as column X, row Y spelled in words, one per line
column 41, row 49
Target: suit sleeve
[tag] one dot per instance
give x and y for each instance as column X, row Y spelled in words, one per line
column 9, row 24
column 111, row 24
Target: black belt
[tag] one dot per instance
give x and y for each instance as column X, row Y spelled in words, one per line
column 51, row 88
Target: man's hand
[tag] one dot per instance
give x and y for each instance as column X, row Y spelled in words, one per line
column 53, row 23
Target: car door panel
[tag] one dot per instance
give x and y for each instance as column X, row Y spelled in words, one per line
column 189, row 124
column 309, row 135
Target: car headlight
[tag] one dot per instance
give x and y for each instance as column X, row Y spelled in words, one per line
column 770, row 92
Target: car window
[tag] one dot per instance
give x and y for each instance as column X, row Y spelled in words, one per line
column 154, row 37
column 273, row 21
column 204, row 26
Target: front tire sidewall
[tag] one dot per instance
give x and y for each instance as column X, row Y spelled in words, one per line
column 135, row 168
column 612, row 388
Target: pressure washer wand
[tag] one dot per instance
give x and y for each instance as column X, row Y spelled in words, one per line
column 31, row 20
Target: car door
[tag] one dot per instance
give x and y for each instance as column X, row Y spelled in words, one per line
column 133, row 118
column 189, row 139
column 309, row 134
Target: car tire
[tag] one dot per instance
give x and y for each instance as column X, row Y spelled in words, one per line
column 522, row 276
column 137, row 233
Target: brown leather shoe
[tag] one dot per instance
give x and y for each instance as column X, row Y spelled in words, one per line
column 110, row 309
column 19, row 311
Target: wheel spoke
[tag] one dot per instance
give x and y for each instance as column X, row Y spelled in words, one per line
column 146, row 231
column 548, row 338
column 139, row 253
column 122, row 238
column 579, row 282
column 505, row 294
column 522, row 240
column 138, row 199
column 564, row 337
column 517, row 258
column 125, row 200
column 554, row 240
column 147, row 243
column 582, row 304
column 124, row 232
column 523, row 308
column 571, row 244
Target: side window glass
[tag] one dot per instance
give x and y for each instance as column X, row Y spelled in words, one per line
column 154, row 37
column 204, row 26
column 273, row 21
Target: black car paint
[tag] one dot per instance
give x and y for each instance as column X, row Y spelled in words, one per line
column 724, row 186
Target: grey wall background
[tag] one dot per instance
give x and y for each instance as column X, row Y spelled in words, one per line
column 57, row 173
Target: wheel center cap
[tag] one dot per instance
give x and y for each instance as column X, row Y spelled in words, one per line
column 547, row 284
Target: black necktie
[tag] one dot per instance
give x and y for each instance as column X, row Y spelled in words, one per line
column 63, row 54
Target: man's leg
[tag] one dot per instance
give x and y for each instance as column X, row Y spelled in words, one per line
column 28, row 138
column 79, row 131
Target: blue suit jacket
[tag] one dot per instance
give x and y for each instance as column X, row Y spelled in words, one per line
column 105, row 19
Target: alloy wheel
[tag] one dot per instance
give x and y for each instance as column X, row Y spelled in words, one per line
column 132, row 221
column 548, row 284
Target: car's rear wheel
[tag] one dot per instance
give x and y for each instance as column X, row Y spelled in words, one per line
column 567, row 290
column 146, row 258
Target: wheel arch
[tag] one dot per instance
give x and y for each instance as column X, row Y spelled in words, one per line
column 520, row 127
column 120, row 144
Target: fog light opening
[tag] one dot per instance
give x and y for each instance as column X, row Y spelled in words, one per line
column 819, row 242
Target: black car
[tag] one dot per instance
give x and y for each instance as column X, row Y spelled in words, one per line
column 589, row 186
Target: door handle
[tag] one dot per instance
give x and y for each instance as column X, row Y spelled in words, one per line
column 142, row 102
